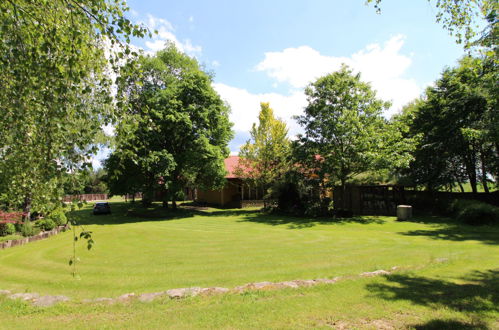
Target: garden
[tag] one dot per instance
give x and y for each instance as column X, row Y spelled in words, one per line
column 437, row 271
column 102, row 99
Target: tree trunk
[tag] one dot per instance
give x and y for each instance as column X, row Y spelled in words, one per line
column 174, row 203
column 471, row 172
column 27, row 208
column 460, row 186
column 484, row 173
column 165, row 198
column 343, row 194
column 472, row 177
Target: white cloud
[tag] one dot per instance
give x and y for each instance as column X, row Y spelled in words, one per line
column 165, row 33
column 215, row 63
column 246, row 106
column 382, row 65
column 191, row 19
column 108, row 129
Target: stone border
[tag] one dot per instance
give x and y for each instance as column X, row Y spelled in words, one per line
column 37, row 237
column 47, row 301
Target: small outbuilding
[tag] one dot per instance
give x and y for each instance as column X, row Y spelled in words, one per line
column 237, row 192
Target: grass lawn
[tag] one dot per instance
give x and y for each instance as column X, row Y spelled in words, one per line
column 448, row 274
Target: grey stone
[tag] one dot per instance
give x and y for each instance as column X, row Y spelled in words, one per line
column 261, row 285
column 326, row 280
column 148, row 297
column 126, row 297
column 5, row 292
column 288, row 284
column 214, row 290
column 103, row 299
column 47, row 301
column 375, row 273
column 183, row 292
column 24, row 296
column 305, row 282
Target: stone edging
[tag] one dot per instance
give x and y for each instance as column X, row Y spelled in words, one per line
column 47, row 301
column 37, row 237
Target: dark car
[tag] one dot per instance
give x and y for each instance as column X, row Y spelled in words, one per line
column 102, row 208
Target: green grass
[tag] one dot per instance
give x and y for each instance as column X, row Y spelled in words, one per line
column 467, row 187
column 448, row 273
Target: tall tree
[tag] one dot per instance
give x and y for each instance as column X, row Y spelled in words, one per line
column 124, row 176
column 265, row 157
column 55, row 91
column 458, row 122
column 177, row 128
column 343, row 127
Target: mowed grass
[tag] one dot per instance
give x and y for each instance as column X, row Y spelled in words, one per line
column 448, row 274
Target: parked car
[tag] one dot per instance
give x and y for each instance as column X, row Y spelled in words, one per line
column 102, row 208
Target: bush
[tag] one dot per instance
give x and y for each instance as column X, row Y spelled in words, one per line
column 7, row 229
column 27, row 229
column 46, row 224
column 58, row 217
column 477, row 213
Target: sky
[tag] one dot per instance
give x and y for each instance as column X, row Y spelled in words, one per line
column 270, row 50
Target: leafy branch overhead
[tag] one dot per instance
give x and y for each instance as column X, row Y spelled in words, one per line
column 55, row 60
column 472, row 22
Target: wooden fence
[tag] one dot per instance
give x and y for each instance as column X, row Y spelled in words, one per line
column 85, row 197
column 383, row 199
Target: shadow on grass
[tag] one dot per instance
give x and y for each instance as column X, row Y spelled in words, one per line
column 478, row 297
column 300, row 223
column 450, row 325
column 131, row 213
column 456, row 232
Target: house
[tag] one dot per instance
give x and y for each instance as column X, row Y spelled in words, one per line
column 236, row 192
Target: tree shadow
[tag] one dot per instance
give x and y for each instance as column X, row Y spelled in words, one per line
column 305, row 222
column 477, row 297
column 130, row 213
column 450, row 325
column 485, row 234
column 433, row 219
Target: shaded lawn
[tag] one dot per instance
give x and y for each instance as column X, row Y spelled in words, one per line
column 443, row 281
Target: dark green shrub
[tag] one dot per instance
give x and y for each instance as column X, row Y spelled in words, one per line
column 288, row 198
column 458, row 205
column 18, row 226
column 7, row 229
column 27, row 229
column 59, row 217
column 477, row 213
column 46, row 224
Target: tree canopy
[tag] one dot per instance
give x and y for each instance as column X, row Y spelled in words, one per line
column 343, row 127
column 265, row 157
column 458, row 122
column 176, row 129
column 56, row 90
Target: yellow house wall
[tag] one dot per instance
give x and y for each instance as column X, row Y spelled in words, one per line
column 218, row 197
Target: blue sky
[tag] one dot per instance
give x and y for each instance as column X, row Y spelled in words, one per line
column 270, row 50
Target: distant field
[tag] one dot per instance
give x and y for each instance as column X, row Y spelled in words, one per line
column 467, row 188
column 448, row 273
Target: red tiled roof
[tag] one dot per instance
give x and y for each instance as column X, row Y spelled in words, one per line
column 230, row 165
